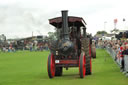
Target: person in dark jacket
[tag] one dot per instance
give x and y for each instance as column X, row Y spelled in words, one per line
column 125, row 52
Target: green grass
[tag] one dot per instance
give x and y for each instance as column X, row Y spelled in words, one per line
column 30, row 68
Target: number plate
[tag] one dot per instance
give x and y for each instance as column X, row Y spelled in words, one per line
column 56, row 61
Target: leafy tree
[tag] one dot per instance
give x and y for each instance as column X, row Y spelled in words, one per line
column 52, row 35
column 101, row 32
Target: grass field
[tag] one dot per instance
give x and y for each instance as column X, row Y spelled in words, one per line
column 30, row 68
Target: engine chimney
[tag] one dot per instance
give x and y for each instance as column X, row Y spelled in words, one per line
column 65, row 24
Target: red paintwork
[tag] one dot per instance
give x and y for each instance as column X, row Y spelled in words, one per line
column 84, row 68
column 84, row 62
column 91, row 65
column 52, row 65
column 68, row 62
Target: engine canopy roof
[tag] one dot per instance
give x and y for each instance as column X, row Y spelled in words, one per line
column 72, row 21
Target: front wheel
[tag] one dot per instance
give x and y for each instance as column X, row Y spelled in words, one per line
column 59, row 71
column 51, row 66
column 82, row 65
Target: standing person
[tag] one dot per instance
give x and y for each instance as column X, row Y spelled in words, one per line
column 40, row 46
column 122, row 58
column 35, row 46
column 125, row 52
column 30, row 46
column 10, row 48
column 46, row 46
column 4, row 49
column 13, row 47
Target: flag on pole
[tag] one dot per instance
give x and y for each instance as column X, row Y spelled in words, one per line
column 115, row 21
column 124, row 19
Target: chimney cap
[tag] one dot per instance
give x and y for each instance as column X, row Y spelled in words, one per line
column 64, row 11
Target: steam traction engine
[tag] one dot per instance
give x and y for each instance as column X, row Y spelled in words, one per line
column 72, row 47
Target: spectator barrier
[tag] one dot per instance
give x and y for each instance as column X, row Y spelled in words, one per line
column 114, row 55
column 126, row 62
column 118, row 60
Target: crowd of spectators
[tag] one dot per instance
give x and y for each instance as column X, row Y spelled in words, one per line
column 15, row 46
column 120, row 47
column 34, row 46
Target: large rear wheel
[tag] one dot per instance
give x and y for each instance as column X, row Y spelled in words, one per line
column 93, row 50
column 51, row 66
column 88, row 61
column 86, row 48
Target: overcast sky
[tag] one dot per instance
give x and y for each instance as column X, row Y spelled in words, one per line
column 18, row 18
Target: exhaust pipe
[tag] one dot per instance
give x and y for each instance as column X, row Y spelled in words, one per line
column 65, row 24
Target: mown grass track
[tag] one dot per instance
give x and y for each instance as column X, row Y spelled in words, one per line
column 30, row 68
